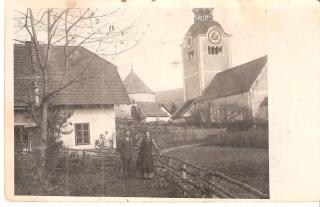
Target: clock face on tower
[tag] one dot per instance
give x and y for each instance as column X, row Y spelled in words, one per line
column 189, row 41
column 214, row 36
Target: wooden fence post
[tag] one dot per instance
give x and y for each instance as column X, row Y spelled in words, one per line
column 103, row 171
column 67, row 174
column 183, row 171
column 170, row 161
column 83, row 158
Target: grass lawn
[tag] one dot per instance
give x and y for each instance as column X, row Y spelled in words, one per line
column 249, row 165
column 93, row 183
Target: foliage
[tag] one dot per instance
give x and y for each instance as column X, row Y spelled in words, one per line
column 57, row 123
column 135, row 114
column 70, row 28
column 173, row 108
column 232, row 116
column 102, row 144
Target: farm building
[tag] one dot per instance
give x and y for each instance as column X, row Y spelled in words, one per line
column 91, row 100
column 213, row 90
column 241, row 90
column 143, row 102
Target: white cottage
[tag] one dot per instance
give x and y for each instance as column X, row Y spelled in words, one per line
column 91, row 99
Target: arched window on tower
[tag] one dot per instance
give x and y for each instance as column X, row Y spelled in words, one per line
column 215, row 50
column 190, row 55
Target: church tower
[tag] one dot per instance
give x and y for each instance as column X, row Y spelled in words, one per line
column 206, row 51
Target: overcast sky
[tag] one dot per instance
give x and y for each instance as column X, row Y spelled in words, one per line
column 158, row 59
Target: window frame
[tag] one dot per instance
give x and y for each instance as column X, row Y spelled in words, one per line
column 82, row 134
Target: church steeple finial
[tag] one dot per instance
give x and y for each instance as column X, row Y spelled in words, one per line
column 201, row 14
column 131, row 68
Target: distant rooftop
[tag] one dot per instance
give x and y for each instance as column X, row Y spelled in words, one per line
column 134, row 84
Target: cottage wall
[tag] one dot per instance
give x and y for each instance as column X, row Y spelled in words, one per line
column 152, row 119
column 259, row 91
column 100, row 119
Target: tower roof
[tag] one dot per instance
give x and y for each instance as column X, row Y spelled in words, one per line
column 203, row 20
column 134, row 84
column 201, row 27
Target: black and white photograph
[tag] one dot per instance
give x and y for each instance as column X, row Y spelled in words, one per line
column 146, row 100
column 161, row 101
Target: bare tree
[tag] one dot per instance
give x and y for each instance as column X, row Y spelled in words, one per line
column 99, row 31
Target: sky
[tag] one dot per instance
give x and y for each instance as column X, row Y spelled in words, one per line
column 158, row 59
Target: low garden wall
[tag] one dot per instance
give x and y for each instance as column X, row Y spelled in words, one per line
column 166, row 135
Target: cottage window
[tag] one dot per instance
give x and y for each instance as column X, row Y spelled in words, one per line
column 82, row 131
column 21, row 138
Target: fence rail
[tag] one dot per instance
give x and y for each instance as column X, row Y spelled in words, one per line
column 190, row 180
column 194, row 181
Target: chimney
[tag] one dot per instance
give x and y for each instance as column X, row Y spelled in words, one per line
column 202, row 14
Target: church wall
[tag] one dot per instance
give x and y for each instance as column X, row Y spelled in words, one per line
column 213, row 106
column 259, row 90
column 191, row 65
column 191, row 76
column 250, row 100
column 213, row 64
column 192, row 86
column 202, row 67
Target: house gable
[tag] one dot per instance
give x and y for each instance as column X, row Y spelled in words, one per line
column 97, row 81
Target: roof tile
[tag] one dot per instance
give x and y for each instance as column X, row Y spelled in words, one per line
column 98, row 81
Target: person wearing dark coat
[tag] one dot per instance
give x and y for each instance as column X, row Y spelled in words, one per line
column 125, row 148
column 145, row 163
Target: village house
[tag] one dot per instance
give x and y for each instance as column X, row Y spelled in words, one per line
column 91, row 100
column 143, row 102
column 212, row 87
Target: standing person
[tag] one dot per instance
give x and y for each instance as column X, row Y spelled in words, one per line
column 125, row 148
column 145, row 164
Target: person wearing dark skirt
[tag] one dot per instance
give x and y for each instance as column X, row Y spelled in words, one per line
column 145, row 164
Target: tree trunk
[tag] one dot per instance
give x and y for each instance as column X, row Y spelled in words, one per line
column 41, row 149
